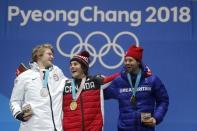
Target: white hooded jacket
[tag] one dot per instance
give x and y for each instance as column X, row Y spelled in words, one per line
column 27, row 91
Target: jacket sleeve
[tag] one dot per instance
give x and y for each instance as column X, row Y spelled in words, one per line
column 61, row 74
column 111, row 92
column 162, row 100
column 109, row 78
column 17, row 96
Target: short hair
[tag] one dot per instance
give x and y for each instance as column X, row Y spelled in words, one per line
column 39, row 51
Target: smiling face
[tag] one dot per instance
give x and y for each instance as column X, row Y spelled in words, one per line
column 43, row 55
column 132, row 65
column 46, row 59
column 76, row 70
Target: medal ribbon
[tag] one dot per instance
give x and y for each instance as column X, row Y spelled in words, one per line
column 74, row 94
column 134, row 89
column 45, row 80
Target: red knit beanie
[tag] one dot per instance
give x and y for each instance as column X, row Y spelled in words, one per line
column 82, row 58
column 135, row 52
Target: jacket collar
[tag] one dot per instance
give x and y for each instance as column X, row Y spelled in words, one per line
column 145, row 72
column 34, row 66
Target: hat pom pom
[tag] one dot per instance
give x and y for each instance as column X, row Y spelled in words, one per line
column 85, row 54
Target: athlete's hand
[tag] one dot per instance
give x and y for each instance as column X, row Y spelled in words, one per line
column 150, row 122
column 22, row 117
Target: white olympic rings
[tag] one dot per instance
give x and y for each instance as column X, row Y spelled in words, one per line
column 102, row 52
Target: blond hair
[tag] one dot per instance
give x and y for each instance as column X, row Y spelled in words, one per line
column 39, row 50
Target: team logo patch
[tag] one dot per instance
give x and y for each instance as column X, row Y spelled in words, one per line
column 55, row 77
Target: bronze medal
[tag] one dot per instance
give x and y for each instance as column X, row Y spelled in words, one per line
column 73, row 105
column 133, row 99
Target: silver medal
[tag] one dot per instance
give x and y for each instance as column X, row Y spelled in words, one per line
column 44, row 92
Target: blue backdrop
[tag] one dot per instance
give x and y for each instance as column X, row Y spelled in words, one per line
column 166, row 29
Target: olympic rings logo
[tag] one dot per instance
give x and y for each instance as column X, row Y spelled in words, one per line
column 102, row 52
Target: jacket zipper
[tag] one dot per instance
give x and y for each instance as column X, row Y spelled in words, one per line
column 51, row 106
column 82, row 112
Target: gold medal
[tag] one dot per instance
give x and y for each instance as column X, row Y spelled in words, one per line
column 133, row 99
column 73, row 105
